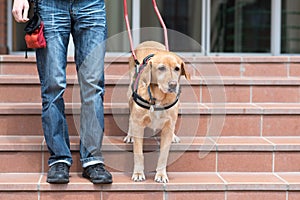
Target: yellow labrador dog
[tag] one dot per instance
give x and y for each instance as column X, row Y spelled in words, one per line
column 153, row 102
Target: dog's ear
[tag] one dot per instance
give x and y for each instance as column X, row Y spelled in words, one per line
column 184, row 72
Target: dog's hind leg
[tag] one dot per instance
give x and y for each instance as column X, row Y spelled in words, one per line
column 175, row 139
column 129, row 137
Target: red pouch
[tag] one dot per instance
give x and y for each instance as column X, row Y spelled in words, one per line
column 35, row 33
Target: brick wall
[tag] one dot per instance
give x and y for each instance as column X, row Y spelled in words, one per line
column 3, row 27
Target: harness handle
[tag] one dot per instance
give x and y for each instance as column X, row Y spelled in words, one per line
column 162, row 24
column 129, row 29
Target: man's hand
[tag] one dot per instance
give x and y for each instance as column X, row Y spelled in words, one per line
column 20, row 10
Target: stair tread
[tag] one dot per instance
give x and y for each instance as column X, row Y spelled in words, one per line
column 20, row 58
column 190, row 58
column 179, row 181
column 115, row 143
column 185, row 108
column 195, row 80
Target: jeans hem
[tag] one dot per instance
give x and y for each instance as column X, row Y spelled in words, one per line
column 91, row 161
column 60, row 161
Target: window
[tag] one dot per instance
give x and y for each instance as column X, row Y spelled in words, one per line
column 290, row 28
column 115, row 20
column 219, row 26
column 240, row 26
column 182, row 18
column 18, row 42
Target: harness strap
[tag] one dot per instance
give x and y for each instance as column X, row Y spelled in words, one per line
column 138, row 71
column 152, row 99
column 146, row 105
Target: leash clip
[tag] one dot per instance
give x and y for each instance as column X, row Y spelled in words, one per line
column 137, row 69
column 137, row 66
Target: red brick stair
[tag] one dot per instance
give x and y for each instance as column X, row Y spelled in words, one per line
column 243, row 143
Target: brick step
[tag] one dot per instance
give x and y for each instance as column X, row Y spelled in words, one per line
column 183, row 185
column 18, row 65
column 231, row 119
column 192, row 154
column 23, row 88
column 248, row 66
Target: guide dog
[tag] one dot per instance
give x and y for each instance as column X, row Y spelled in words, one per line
column 153, row 102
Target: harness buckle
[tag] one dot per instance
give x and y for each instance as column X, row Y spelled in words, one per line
column 152, row 108
column 152, row 103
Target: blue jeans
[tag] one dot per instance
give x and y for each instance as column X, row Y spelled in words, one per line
column 86, row 21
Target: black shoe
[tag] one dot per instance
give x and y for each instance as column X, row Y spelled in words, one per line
column 58, row 173
column 97, row 174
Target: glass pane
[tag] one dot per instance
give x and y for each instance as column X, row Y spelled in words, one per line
column 183, row 18
column 240, row 26
column 117, row 38
column 18, row 42
column 290, row 28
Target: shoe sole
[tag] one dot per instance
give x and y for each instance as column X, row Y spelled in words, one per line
column 58, row 181
column 103, row 181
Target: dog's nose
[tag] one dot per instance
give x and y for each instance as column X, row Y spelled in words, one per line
column 172, row 85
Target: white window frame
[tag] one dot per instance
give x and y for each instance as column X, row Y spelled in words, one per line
column 206, row 6
column 136, row 21
column 276, row 27
column 9, row 30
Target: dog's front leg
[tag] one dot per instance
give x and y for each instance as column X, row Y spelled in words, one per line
column 138, row 171
column 165, row 143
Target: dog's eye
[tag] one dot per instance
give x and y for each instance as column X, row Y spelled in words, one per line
column 177, row 69
column 162, row 68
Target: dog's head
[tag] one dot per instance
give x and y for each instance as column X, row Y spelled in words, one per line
column 166, row 70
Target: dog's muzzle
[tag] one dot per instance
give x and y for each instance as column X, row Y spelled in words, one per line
column 172, row 86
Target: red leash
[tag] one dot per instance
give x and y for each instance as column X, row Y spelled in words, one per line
column 129, row 29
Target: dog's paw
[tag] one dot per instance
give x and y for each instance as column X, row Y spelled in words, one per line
column 175, row 139
column 138, row 177
column 128, row 139
column 161, row 178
